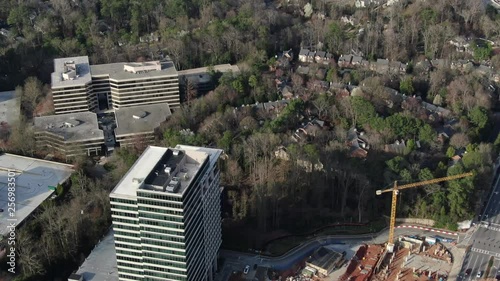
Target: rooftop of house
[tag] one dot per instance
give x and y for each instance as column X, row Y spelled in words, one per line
column 320, row 54
column 345, row 58
column 135, row 70
column 140, row 119
column 71, row 127
column 357, row 59
column 73, row 71
column 164, row 170
column 382, row 61
column 304, row 52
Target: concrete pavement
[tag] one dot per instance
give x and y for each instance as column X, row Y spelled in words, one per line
column 484, row 244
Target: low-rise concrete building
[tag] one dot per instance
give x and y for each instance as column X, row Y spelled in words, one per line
column 136, row 125
column 70, row 134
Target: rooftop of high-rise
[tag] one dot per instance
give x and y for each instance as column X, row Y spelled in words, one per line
column 164, row 170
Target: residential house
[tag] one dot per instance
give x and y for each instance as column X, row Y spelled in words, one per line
column 442, row 112
column 461, row 65
column 284, row 59
column 288, row 54
column 303, row 55
column 287, row 92
column 304, row 70
column 345, row 60
column 485, row 70
column 461, row 44
column 319, row 85
column 321, row 74
column 356, row 60
column 496, row 77
column 275, row 106
column 282, row 154
column 366, row 3
column 310, row 57
column 347, row 20
column 397, row 67
column 382, row 65
column 439, row 63
column 149, row 38
column 357, row 146
column 4, row 32
column 309, row 130
column 328, row 58
column 423, row 65
column 398, row 147
column 365, row 64
column 319, row 57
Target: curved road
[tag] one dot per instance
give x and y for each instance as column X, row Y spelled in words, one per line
column 236, row 261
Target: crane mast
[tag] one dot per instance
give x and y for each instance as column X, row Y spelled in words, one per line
column 395, row 191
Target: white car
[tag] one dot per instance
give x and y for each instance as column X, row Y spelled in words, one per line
column 247, row 268
column 479, row 274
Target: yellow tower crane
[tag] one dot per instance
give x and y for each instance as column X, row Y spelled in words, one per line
column 395, row 191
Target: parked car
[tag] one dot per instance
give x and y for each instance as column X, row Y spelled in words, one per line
column 479, row 274
column 247, row 268
column 468, row 271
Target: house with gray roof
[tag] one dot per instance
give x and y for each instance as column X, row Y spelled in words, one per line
column 382, row 65
column 345, row 60
column 303, row 55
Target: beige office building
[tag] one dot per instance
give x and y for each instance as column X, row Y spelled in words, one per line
column 72, row 85
column 136, row 125
column 69, row 134
column 78, row 86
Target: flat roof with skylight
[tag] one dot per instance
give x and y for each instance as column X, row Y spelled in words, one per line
column 72, row 127
column 35, row 181
column 135, row 70
column 69, row 72
column 140, row 119
column 162, row 170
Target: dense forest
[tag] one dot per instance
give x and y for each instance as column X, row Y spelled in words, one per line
column 318, row 182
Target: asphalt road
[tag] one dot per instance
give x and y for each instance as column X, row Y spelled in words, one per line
column 485, row 242
column 236, row 261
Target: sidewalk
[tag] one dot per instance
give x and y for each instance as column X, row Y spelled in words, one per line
column 458, row 258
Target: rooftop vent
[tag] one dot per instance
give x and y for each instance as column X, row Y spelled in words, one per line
column 140, row 114
column 142, row 67
column 137, row 180
column 69, row 72
column 175, row 152
column 168, row 170
column 72, row 123
column 173, row 186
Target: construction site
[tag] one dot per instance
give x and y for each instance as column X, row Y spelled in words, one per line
column 407, row 258
column 413, row 259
